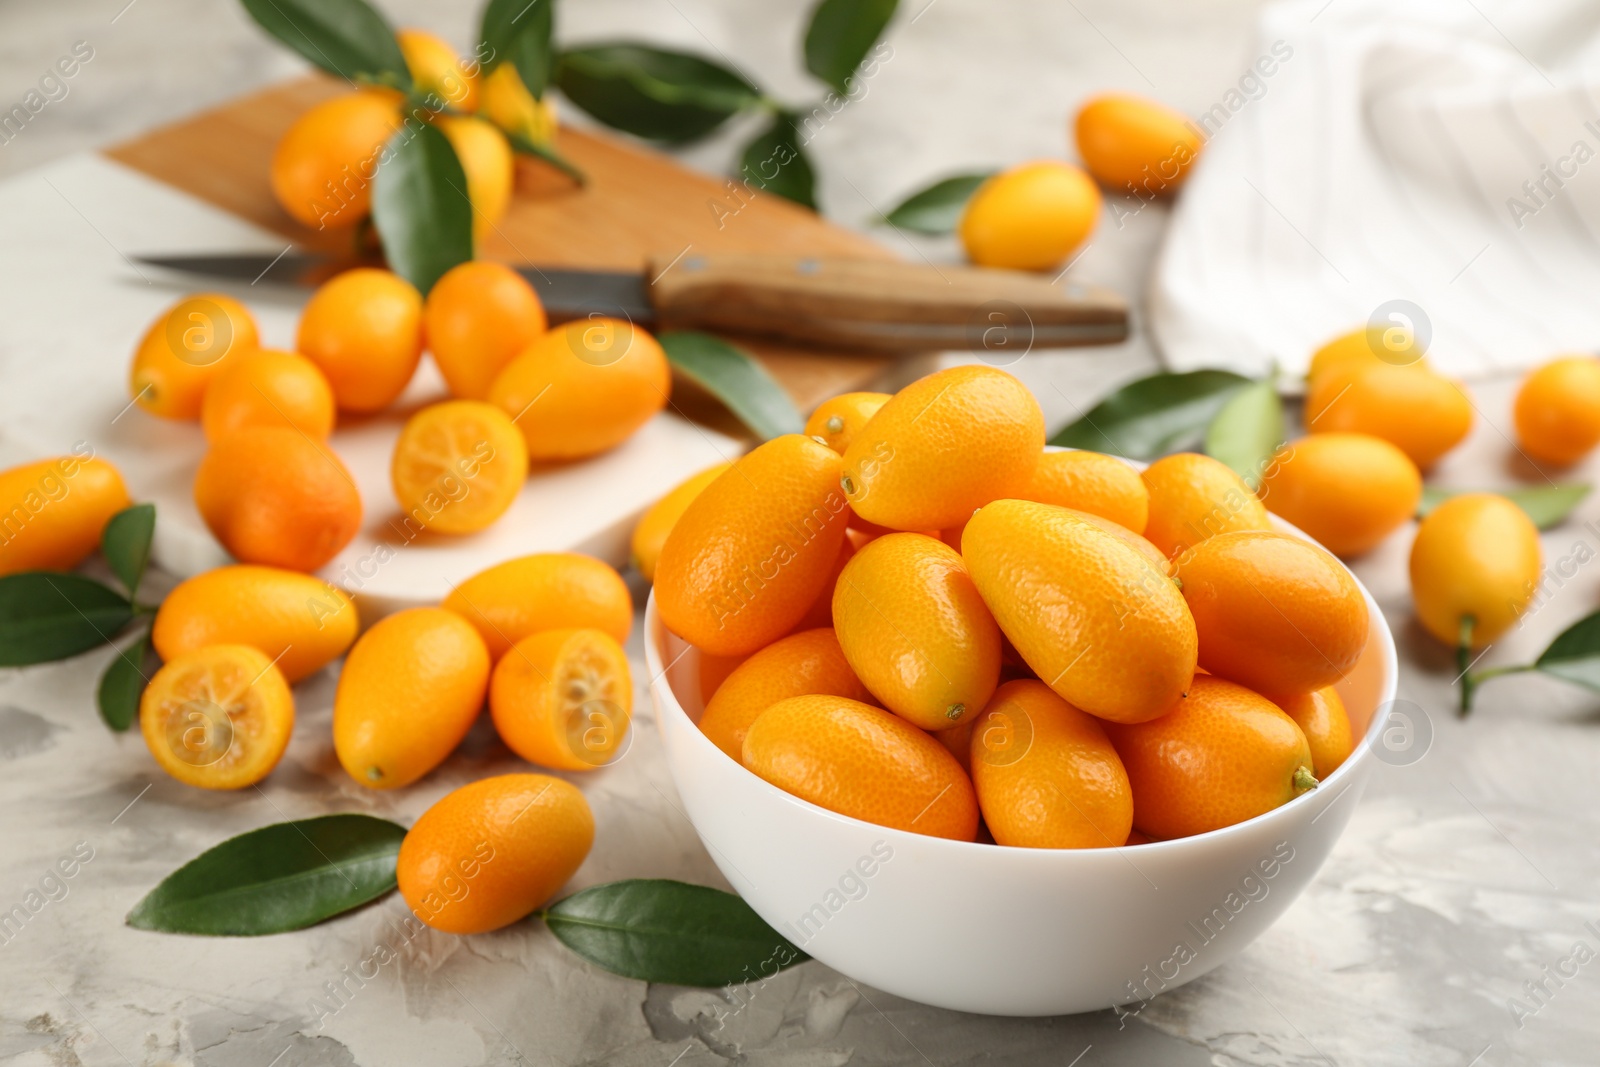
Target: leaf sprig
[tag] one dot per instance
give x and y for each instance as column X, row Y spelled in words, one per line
column 1546, row 505
column 659, row 94
column 292, row 875
column 730, row 375
column 420, row 210
column 675, row 98
column 1574, row 656
column 1240, row 421
column 937, row 209
column 1168, row 412
column 346, row 38
column 282, row 877
column 420, row 206
column 520, row 32
column 48, row 615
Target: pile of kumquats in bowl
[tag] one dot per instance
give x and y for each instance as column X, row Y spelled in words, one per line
column 921, row 584
column 915, row 646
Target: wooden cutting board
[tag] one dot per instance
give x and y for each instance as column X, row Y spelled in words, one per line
column 636, row 203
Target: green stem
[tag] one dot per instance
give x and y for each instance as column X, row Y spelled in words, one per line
column 1469, row 684
column 526, row 147
column 548, row 154
column 1479, row 677
column 1303, row 780
column 364, row 239
column 1473, row 679
column 383, row 81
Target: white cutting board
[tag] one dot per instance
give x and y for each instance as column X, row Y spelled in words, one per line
column 73, row 305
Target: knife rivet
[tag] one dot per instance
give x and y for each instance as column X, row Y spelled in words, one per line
column 808, row 266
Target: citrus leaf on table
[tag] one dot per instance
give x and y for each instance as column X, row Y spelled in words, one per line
column 652, row 93
column 658, row 930
column 1247, row 430
column 348, row 38
column 1574, row 656
column 1153, row 415
column 519, row 32
column 774, row 162
column 1546, row 505
column 841, row 34
column 47, row 616
column 937, row 209
column 282, row 877
column 734, row 378
column 420, row 205
column 125, row 543
column 123, row 684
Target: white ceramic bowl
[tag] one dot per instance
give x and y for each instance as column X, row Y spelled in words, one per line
column 1006, row 931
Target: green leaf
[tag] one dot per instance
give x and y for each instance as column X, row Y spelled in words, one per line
column 123, row 684
column 547, row 153
column 1574, row 655
column 520, row 31
column 1247, row 431
column 47, row 616
column 125, row 542
column 532, row 51
column 1546, row 505
column 734, row 378
column 663, row 931
column 1153, row 415
column 420, row 205
column 937, row 209
column 652, row 93
column 840, row 35
column 348, row 38
column 281, row 877
column 774, row 162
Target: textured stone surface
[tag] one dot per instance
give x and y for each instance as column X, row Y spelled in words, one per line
column 1461, row 878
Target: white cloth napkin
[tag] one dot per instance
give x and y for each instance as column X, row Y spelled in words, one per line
column 1444, row 153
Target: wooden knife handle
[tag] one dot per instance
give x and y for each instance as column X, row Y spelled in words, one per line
column 881, row 306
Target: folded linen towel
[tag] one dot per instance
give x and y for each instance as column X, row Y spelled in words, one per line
column 1424, row 163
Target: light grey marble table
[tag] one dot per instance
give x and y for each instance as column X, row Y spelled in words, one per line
column 1465, row 881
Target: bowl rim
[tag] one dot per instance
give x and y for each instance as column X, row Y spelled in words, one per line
column 669, row 704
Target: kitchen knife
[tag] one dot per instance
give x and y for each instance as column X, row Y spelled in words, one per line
column 867, row 305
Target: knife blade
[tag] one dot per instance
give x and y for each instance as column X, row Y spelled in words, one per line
column 866, row 305
column 566, row 294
